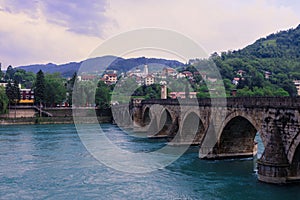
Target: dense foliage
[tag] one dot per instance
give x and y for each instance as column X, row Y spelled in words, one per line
column 55, row 90
column 103, row 95
column 148, row 92
column 277, row 54
column 3, row 100
column 13, row 92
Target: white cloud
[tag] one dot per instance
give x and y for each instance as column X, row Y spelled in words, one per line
column 217, row 25
column 26, row 40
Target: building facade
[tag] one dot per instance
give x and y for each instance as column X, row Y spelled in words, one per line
column 297, row 85
column 27, row 96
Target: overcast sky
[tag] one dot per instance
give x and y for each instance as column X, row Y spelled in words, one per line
column 60, row 31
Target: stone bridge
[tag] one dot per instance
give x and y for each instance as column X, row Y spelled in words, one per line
column 225, row 128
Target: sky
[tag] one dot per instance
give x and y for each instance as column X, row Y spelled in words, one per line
column 61, row 31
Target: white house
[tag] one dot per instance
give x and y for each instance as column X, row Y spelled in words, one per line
column 149, row 80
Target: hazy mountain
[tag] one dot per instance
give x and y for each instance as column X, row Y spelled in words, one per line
column 98, row 64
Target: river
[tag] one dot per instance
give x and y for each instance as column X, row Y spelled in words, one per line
column 50, row 162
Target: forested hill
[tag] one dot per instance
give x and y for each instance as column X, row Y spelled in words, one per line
column 277, row 55
column 284, row 44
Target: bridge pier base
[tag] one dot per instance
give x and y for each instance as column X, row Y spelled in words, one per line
column 272, row 172
column 219, row 154
column 273, row 166
column 227, row 156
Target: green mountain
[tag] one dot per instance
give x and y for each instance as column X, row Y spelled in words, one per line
column 270, row 65
column 284, row 44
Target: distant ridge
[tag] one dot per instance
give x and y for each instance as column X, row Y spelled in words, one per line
column 95, row 64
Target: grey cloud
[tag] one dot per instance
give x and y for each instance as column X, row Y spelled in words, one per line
column 83, row 17
column 17, row 6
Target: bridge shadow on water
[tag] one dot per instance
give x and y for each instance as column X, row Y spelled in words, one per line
column 228, row 178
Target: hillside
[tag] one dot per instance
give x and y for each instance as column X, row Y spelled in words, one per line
column 277, row 54
column 284, row 44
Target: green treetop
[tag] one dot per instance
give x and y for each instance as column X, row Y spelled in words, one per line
column 39, row 89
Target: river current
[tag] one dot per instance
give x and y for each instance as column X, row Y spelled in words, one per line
column 50, row 162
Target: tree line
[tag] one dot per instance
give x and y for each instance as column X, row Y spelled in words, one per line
column 52, row 90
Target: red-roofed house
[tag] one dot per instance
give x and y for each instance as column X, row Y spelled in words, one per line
column 181, row 95
column 110, row 78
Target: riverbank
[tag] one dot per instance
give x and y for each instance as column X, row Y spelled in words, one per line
column 54, row 120
column 30, row 115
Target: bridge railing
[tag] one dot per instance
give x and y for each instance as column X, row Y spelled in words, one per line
column 270, row 102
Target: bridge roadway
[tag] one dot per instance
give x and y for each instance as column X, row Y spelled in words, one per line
column 226, row 128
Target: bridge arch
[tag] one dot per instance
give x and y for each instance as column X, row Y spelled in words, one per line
column 293, row 156
column 167, row 123
column 127, row 117
column 192, row 129
column 295, row 163
column 236, row 137
column 122, row 116
column 146, row 118
column 232, row 115
column 149, row 122
column 294, row 145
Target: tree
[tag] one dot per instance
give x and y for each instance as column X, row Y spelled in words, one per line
column 1, row 73
column 187, row 91
column 19, row 75
column 56, row 90
column 70, row 88
column 289, row 86
column 71, row 82
column 245, row 92
column 39, row 89
column 281, row 92
column 152, row 91
column 13, row 94
column 10, row 72
column 28, row 79
column 102, row 96
column 3, row 100
column 78, row 94
column 203, row 92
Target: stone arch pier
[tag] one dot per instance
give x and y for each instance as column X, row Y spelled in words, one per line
column 231, row 127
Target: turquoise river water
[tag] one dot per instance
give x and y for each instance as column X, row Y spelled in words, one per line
column 50, row 162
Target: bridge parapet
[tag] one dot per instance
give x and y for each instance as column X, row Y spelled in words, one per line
column 247, row 102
